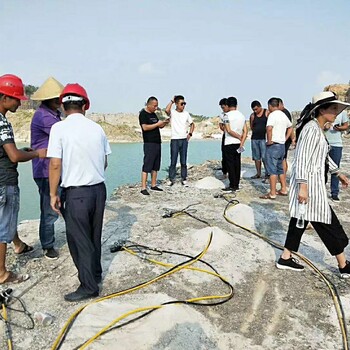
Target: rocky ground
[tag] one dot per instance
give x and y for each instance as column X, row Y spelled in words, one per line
column 270, row 309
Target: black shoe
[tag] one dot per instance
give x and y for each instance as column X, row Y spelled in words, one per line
column 227, row 189
column 345, row 271
column 289, row 264
column 156, row 188
column 335, row 198
column 79, row 296
column 236, row 189
column 145, row 192
column 51, row 254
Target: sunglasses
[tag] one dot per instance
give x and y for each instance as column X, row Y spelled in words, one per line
column 183, row 103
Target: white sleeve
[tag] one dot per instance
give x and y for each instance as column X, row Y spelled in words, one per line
column 107, row 147
column 271, row 120
column 189, row 118
column 54, row 149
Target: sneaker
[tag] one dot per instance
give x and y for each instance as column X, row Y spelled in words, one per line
column 227, row 190
column 145, row 192
column 289, row 264
column 156, row 188
column 170, row 183
column 184, row 183
column 51, row 254
column 345, row 271
column 236, row 189
column 335, row 198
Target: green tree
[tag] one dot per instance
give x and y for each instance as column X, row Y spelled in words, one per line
column 30, row 89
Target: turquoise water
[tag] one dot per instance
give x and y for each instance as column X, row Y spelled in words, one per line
column 124, row 167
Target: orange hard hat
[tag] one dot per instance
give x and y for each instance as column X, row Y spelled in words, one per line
column 11, row 85
column 75, row 90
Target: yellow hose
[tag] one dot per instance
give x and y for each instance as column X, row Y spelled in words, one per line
column 336, row 300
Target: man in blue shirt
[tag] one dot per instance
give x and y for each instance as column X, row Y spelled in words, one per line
column 333, row 134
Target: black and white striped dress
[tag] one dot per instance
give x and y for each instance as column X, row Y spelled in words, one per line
column 309, row 167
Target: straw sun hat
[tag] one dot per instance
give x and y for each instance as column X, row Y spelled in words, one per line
column 50, row 89
column 328, row 97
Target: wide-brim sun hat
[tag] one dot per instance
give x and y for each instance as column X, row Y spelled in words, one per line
column 328, row 97
column 50, row 89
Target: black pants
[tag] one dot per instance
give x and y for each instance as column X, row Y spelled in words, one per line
column 332, row 235
column 223, row 161
column 233, row 164
column 83, row 212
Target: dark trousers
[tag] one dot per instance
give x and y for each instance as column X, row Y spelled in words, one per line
column 178, row 146
column 332, row 235
column 223, row 161
column 233, row 164
column 83, row 212
column 47, row 216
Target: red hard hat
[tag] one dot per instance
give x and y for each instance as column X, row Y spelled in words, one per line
column 11, row 85
column 75, row 90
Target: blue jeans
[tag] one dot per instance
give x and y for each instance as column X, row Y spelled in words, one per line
column 176, row 147
column 274, row 159
column 47, row 216
column 9, row 208
column 335, row 153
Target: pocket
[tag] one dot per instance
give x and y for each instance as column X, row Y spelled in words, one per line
column 2, row 195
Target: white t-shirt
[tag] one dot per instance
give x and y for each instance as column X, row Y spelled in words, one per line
column 82, row 145
column 236, row 120
column 179, row 124
column 279, row 122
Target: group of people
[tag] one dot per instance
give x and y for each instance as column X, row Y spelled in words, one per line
column 318, row 151
column 69, row 159
column 182, row 127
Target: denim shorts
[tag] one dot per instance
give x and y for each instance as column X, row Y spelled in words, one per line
column 9, row 208
column 274, row 158
column 258, row 149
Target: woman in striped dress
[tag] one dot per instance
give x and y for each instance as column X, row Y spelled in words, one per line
column 307, row 184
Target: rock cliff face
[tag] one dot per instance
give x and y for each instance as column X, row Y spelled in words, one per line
column 120, row 127
column 342, row 90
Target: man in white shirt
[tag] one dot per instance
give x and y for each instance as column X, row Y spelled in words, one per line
column 235, row 135
column 180, row 121
column 278, row 130
column 78, row 149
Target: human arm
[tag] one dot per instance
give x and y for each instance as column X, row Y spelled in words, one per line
column 251, row 121
column 17, row 155
column 160, row 124
column 168, row 107
column 244, row 135
column 55, row 168
column 269, row 135
column 289, row 132
column 341, row 127
column 189, row 135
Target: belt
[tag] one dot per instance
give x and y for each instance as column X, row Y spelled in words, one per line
column 85, row 186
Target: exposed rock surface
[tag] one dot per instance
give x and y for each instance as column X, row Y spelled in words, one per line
column 271, row 309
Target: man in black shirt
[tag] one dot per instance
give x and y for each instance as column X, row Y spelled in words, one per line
column 11, row 94
column 258, row 120
column 150, row 125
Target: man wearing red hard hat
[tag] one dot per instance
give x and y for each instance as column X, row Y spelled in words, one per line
column 78, row 149
column 11, row 94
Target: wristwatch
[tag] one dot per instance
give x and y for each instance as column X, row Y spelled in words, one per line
column 190, row 133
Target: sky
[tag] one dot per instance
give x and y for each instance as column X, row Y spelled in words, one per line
column 122, row 52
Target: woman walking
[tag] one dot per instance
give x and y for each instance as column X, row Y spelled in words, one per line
column 307, row 184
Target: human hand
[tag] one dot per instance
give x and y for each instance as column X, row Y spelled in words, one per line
column 42, row 152
column 55, row 203
column 327, row 126
column 302, row 195
column 344, row 180
column 26, row 149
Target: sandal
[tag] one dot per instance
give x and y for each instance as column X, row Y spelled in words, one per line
column 282, row 194
column 267, row 196
column 14, row 278
column 27, row 248
column 255, row 176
